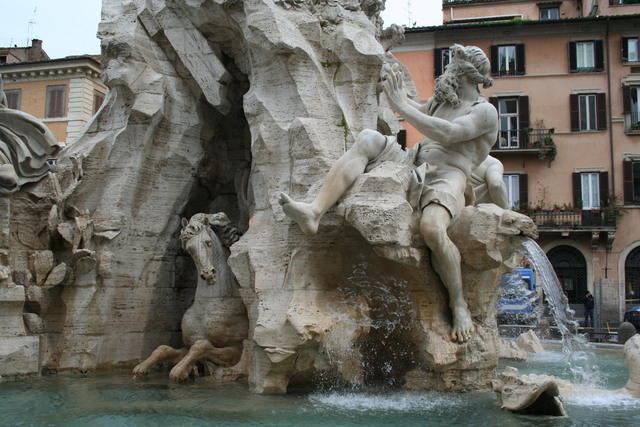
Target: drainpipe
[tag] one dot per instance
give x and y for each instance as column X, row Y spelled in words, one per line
column 610, row 113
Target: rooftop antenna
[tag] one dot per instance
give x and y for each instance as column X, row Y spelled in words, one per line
column 30, row 25
column 409, row 8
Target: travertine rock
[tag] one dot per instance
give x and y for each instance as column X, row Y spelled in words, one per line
column 632, row 357
column 219, row 106
column 529, row 394
column 19, row 354
column 509, row 349
column 529, row 342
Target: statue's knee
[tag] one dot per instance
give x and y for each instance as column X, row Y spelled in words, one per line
column 433, row 235
column 370, row 143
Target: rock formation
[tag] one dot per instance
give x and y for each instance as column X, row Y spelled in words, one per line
column 529, row 394
column 221, row 105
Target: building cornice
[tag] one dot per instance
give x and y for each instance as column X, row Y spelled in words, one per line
column 517, row 23
column 58, row 68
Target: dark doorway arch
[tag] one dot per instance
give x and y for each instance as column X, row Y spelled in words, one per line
column 571, row 269
column 632, row 276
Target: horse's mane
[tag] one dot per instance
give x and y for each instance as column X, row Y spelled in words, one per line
column 227, row 233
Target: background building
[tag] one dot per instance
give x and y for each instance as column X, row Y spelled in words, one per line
column 65, row 93
column 567, row 86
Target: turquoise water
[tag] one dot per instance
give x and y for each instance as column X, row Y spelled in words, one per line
column 117, row 400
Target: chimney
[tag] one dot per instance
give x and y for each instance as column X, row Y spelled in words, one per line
column 36, row 43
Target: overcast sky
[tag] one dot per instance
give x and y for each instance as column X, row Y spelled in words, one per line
column 68, row 27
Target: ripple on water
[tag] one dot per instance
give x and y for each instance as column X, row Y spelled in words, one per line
column 367, row 402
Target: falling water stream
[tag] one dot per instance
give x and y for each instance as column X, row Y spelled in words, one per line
column 577, row 350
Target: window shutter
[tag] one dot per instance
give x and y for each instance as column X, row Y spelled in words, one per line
column 627, row 181
column 523, row 121
column 520, row 69
column 624, row 48
column 524, row 190
column 601, row 106
column 577, row 191
column 438, row 62
column 575, row 114
column 494, row 60
column 573, row 61
column 599, row 55
column 626, row 99
column 604, row 189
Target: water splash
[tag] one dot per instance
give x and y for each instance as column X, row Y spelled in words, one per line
column 576, row 348
column 385, row 402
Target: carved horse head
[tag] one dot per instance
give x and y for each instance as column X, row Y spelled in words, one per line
column 197, row 237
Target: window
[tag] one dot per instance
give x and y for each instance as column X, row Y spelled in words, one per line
column 56, row 101
column 547, row 13
column 590, row 191
column 508, row 113
column 585, row 53
column 631, row 181
column 630, row 49
column 507, row 60
column 632, row 276
column 98, row 99
column 631, row 100
column 3, row 59
column 14, row 98
column 517, row 193
column 442, row 59
column 588, row 112
column 586, row 56
column 587, row 107
column 513, row 113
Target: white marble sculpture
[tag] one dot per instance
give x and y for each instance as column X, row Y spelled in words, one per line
column 25, row 146
column 461, row 127
column 214, row 327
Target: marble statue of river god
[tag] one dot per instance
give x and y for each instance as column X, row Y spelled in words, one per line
column 461, row 127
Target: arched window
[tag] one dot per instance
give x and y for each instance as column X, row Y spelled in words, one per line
column 571, row 269
column 632, row 276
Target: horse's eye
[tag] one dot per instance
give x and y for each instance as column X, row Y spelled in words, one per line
column 209, row 243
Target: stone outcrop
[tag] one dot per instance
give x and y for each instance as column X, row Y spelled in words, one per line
column 220, row 105
column 529, row 342
column 529, row 394
column 632, row 357
column 509, row 349
column 19, row 353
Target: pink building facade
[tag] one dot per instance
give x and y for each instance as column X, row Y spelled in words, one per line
column 567, row 90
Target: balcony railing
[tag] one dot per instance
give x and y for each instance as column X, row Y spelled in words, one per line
column 525, row 139
column 572, row 219
column 632, row 122
column 614, row 2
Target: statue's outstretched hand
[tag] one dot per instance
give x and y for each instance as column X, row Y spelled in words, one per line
column 393, row 85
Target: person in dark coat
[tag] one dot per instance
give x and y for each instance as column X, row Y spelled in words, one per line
column 588, row 309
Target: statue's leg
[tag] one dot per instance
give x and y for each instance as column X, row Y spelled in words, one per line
column 164, row 353
column 343, row 173
column 497, row 189
column 446, row 260
column 203, row 350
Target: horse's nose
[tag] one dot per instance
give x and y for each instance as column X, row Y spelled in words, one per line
column 209, row 276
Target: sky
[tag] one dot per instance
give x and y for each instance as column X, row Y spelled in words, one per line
column 68, row 27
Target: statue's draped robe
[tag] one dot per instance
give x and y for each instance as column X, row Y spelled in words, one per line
column 26, row 144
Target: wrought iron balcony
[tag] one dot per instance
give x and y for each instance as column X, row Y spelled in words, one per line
column 572, row 219
column 538, row 141
column 612, row 2
column 632, row 122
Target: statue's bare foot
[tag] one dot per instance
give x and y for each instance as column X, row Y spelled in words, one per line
column 301, row 213
column 462, row 324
